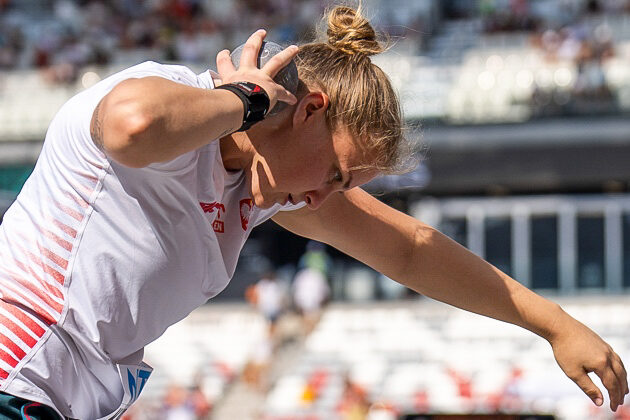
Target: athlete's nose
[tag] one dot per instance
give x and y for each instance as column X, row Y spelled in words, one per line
column 315, row 198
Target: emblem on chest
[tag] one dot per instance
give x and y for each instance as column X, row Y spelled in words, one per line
column 245, row 206
column 218, row 225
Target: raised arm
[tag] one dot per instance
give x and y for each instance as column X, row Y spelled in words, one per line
column 153, row 119
column 430, row 263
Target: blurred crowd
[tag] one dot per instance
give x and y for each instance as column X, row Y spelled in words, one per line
column 568, row 32
column 531, row 16
column 65, row 35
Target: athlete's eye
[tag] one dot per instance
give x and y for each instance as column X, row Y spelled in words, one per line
column 337, row 177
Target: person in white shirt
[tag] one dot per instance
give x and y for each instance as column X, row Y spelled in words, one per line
column 149, row 183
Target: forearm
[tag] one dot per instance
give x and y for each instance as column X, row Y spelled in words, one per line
column 442, row 269
column 153, row 119
column 427, row 261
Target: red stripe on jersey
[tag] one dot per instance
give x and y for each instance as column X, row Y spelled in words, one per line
column 64, row 228
column 39, row 293
column 24, row 318
column 77, row 199
column 28, row 270
column 6, row 341
column 80, row 187
column 70, row 212
column 3, row 374
column 47, row 269
column 61, row 262
column 8, row 359
column 24, row 300
column 17, row 330
column 54, row 274
column 55, row 238
column 90, row 177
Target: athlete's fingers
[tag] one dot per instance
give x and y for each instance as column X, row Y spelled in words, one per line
column 623, row 374
column 616, row 365
column 620, row 372
column 225, row 66
column 613, row 386
column 588, row 387
column 249, row 56
column 280, row 60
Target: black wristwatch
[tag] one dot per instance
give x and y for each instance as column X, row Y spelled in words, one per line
column 255, row 101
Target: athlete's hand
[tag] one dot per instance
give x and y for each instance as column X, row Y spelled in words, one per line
column 249, row 72
column 579, row 351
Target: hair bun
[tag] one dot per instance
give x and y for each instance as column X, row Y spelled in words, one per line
column 348, row 31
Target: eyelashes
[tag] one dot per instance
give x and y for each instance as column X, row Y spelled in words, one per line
column 337, row 177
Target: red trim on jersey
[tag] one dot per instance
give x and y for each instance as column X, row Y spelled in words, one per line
column 24, row 318
column 8, row 343
column 39, row 293
column 77, row 199
column 80, row 187
column 55, row 238
column 65, row 228
column 47, row 269
column 91, row 177
column 70, row 212
column 8, row 359
column 22, row 299
column 49, row 287
column 3, row 374
column 61, row 262
column 19, row 331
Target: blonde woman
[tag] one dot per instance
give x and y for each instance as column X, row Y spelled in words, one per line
column 149, row 183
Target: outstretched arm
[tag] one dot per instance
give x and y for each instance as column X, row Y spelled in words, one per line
column 153, row 119
column 430, row 263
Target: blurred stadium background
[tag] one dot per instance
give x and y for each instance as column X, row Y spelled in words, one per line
column 521, row 111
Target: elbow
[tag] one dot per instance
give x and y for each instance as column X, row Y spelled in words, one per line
column 126, row 123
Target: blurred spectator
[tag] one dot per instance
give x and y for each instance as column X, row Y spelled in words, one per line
column 316, row 257
column 310, row 292
column 181, row 403
column 177, row 405
column 271, row 298
column 354, row 403
column 256, row 370
column 269, row 295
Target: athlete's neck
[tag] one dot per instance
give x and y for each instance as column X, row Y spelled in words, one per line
column 236, row 151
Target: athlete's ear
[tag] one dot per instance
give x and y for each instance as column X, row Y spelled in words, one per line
column 313, row 104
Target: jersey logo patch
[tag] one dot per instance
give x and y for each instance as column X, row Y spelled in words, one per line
column 246, row 206
column 218, row 224
column 135, row 388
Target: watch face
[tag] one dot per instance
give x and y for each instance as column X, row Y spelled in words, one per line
column 258, row 101
column 249, row 88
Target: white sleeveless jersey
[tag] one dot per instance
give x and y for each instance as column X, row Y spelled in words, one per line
column 98, row 259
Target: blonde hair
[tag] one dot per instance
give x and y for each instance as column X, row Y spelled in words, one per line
column 361, row 96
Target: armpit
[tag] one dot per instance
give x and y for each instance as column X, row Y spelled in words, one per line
column 96, row 127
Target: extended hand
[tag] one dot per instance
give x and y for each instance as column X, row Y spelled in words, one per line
column 578, row 351
column 249, row 72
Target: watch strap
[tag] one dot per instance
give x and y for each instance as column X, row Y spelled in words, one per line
column 255, row 101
